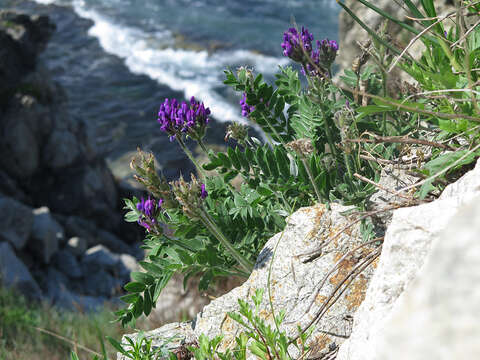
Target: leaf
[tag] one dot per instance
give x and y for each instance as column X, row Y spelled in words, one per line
column 160, row 284
column 205, row 280
column 425, row 189
column 147, row 303
column 142, row 277
column 372, row 109
column 224, row 159
column 279, row 106
column 243, row 159
column 134, row 287
column 436, row 165
column 293, row 166
column 233, row 158
column 272, row 163
column 152, row 268
column 261, row 161
column 138, row 307
column 230, row 175
column 129, row 298
column 184, row 256
column 132, row 216
column 282, row 162
column 116, row 345
column 264, row 191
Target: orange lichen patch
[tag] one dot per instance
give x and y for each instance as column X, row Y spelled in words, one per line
column 333, row 232
column 265, row 314
column 357, row 292
column 375, row 263
column 343, row 270
column 318, row 211
column 320, row 299
column 228, row 325
column 319, row 343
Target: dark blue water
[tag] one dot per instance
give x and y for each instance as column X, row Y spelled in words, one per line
column 118, row 59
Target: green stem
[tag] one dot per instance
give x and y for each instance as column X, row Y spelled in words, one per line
column 274, row 131
column 468, row 67
column 450, row 56
column 309, row 172
column 180, row 244
column 328, row 132
column 246, row 265
column 190, row 156
column 202, row 145
column 384, row 88
column 286, row 202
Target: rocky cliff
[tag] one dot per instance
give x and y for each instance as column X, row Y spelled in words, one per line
column 59, row 203
column 62, row 234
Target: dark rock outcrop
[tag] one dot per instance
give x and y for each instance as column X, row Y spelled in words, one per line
column 54, row 183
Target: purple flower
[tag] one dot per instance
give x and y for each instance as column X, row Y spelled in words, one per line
column 145, row 225
column 149, row 207
column 295, row 44
column 322, row 58
column 150, row 210
column 246, row 109
column 175, row 118
column 203, row 193
column 327, row 52
column 141, row 205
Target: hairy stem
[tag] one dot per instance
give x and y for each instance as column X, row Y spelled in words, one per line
column 246, row 265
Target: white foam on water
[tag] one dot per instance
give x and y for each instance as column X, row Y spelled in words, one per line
column 195, row 73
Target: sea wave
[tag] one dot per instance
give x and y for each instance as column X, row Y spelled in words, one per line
column 195, row 73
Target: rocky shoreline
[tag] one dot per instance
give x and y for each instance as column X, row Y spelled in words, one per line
column 62, row 234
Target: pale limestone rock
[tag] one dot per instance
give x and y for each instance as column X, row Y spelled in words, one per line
column 437, row 316
column 407, row 243
column 295, row 281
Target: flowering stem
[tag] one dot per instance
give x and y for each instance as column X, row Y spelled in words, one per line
column 202, row 145
column 328, row 133
column 309, row 172
column 246, row 265
column 190, row 156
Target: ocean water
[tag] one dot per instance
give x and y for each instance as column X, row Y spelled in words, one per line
column 118, row 59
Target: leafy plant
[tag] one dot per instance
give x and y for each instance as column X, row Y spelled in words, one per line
column 263, row 340
column 323, row 142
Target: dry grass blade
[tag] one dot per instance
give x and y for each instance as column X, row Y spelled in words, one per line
column 342, row 287
column 335, row 268
column 465, row 35
column 400, row 106
column 418, row 36
column 399, row 139
column 74, row 343
column 363, row 178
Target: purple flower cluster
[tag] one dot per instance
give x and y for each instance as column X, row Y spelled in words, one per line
column 327, row 52
column 298, row 47
column 246, row 109
column 149, row 209
column 175, row 118
column 293, row 41
column 322, row 57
